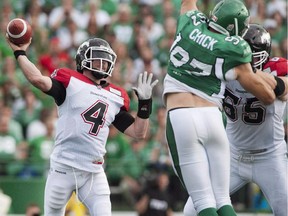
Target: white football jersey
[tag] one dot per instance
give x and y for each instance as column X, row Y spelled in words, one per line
column 84, row 119
column 251, row 125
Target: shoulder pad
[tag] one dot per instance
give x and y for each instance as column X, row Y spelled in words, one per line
column 121, row 93
column 277, row 66
column 62, row 75
column 237, row 48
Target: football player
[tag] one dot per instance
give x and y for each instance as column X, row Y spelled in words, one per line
column 206, row 53
column 87, row 105
column 255, row 130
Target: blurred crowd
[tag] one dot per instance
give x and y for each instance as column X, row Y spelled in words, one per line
column 141, row 33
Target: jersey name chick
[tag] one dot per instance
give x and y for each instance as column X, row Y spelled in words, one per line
column 202, row 39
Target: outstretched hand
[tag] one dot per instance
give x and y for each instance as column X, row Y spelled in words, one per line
column 145, row 87
column 15, row 47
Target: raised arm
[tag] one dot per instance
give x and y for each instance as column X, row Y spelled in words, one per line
column 187, row 5
column 30, row 71
column 144, row 93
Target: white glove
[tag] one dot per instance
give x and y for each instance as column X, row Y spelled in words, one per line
column 145, row 87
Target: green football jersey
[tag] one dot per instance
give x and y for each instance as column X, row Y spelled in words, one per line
column 201, row 58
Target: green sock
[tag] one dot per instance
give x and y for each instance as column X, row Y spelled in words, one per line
column 208, row 212
column 226, row 210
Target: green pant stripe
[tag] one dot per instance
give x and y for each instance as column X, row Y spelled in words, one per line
column 173, row 148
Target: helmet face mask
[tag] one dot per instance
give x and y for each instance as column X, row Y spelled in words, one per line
column 260, row 42
column 259, row 58
column 102, row 54
column 230, row 17
column 96, row 56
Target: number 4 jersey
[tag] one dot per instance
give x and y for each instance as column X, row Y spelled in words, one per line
column 84, row 119
column 252, row 125
column 203, row 60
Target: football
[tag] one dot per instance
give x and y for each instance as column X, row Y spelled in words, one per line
column 19, row 31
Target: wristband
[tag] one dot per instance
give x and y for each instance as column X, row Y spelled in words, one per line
column 17, row 53
column 144, row 108
column 280, row 87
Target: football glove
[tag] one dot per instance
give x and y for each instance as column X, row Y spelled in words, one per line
column 145, row 87
column 144, row 94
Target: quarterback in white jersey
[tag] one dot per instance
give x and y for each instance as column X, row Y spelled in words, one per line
column 255, row 131
column 87, row 106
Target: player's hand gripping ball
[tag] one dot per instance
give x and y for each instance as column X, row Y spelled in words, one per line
column 19, row 31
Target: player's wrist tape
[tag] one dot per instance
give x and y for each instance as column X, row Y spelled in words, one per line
column 144, row 108
column 280, row 87
column 17, row 53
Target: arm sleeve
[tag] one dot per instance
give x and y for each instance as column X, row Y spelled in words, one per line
column 57, row 91
column 123, row 120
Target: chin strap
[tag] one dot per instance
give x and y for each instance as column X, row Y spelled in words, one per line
column 98, row 75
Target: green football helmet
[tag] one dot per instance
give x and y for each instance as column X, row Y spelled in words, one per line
column 230, row 17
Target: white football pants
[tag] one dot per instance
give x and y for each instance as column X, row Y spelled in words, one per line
column 92, row 190
column 269, row 171
column 200, row 152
